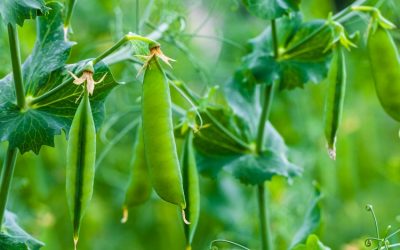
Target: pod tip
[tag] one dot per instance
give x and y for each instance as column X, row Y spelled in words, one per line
column 184, row 217
column 125, row 215
column 332, row 151
column 76, row 238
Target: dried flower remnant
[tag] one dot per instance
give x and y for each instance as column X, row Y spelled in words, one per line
column 155, row 52
column 87, row 76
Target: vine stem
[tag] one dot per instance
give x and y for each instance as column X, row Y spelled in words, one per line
column 266, row 242
column 137, row 18
column 70, row 10
column 9, row 162
column 5, row 179
column 116, row 46
column 16, row 65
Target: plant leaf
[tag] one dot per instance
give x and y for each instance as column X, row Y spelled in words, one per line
column 271, row 9
column 13, row 237
column 302, row 56
column 17, row 11
column 256, row 169
column 217, row 151
column 311, row 221
column 313, row 243
column 45, row 69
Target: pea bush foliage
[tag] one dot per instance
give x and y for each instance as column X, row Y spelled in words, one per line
column 40, row 100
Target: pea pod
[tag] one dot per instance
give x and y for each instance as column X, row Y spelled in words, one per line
column 191, row 188
column 159, row 142
column 81, row 156
column 335, row 99
column 139, row 188
column 385, row 65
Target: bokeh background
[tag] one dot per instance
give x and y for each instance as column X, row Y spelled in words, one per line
column 208, row 46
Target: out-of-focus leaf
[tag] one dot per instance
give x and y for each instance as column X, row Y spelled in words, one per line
column 256, row 169
column 302, row 56
column 16, row 11
column 13, row 237
column 313, row 243
column 243, row 96
column 212, row 140
column 311, row 221
column 44, row 70
column 216, row 150
column 271, row 9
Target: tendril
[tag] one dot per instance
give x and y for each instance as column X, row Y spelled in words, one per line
column 382, row 243
column 369, row 208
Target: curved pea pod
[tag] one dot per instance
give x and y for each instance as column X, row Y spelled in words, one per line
column 159, row 141
column 191, row 188
column 81, row 157
column 335, row 100
column 385, row 65
column 139, row 188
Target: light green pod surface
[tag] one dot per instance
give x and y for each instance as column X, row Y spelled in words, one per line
column 385, row 65
column 159, row 142
column 191, row 188
column 139, row 188
column 81, row 157
column 335, row 99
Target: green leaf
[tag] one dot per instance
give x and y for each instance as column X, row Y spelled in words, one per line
column 313, row 243
column 13, row 237
column 271, row 9
column 45, row 69
column 302, row 53
column 16, row 11
column 243, row 98
column 256, row 169
column 217, row 151
column 311, row 221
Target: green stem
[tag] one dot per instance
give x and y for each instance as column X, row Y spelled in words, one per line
column 70, row 10
column 5, row 181
column 126, row 38
column 137, row 24
column 269, row 96
column 16, row 65
column 274, row 38
column 266, row 242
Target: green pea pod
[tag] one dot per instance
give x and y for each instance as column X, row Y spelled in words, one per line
column 335, row 99
column 139, row 188
column 158, row 135
column 385, row 65
column 81, row 157
column 191, row 188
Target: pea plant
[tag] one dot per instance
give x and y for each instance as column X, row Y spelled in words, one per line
column 44, row 96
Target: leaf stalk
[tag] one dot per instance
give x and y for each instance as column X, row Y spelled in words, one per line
column 5, row 179
column 16, row 65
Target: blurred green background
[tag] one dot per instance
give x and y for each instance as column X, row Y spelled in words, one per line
column 208, row 49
